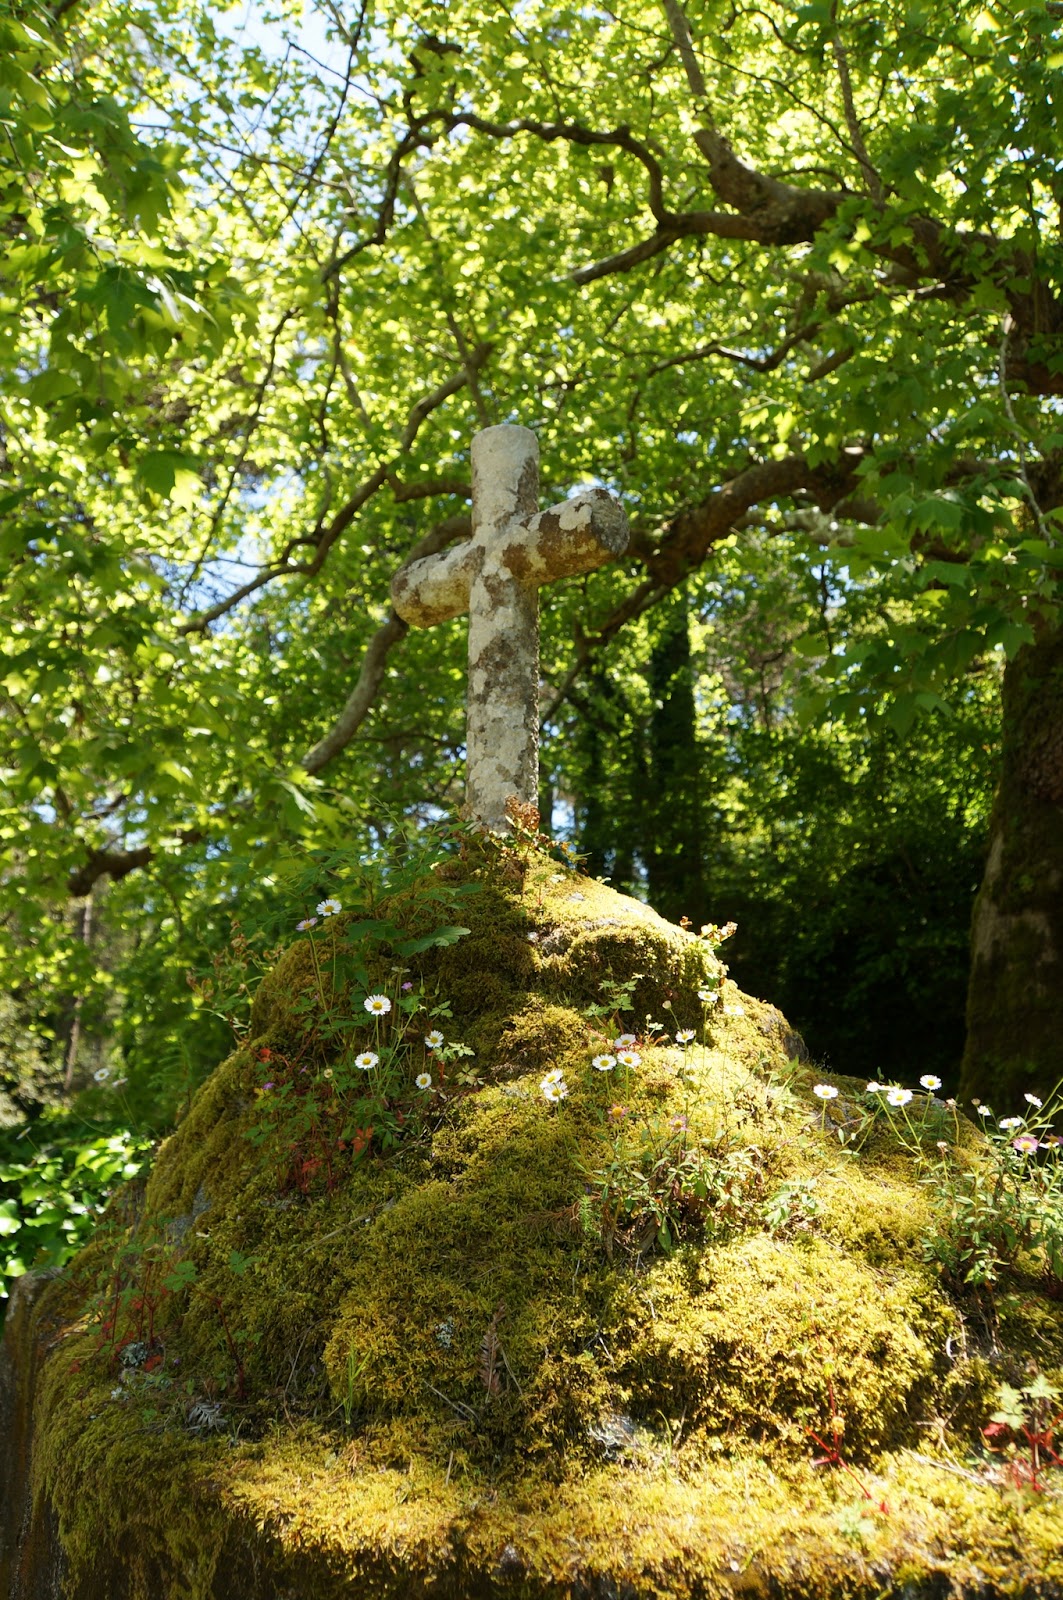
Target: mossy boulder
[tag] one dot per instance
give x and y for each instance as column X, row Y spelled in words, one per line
column 668, row 1336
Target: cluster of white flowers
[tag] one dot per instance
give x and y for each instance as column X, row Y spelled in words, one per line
column 1024, row 1142
column 554, row 1087
column 895, row 1096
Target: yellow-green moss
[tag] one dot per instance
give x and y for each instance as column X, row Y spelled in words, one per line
column 451, row 1387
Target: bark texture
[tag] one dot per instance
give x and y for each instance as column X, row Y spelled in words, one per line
column 1016, row 986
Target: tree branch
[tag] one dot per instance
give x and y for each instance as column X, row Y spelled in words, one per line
column 689, row 537
column 362, row 696
column 322, row 539
column 115, row 864
column 852, row 121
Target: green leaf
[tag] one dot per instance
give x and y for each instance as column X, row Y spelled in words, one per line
column 181, row 1276
column 169, row 474
column 441, row 937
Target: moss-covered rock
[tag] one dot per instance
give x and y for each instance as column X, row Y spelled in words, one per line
column 669, row 1336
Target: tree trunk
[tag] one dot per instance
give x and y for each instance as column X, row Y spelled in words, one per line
column 676, row 842
column 1015, row 997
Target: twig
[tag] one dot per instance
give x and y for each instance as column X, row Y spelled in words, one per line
column 464, row 1411
column 946, row 1466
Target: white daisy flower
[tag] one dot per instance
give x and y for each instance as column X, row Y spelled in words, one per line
column 1032, row 1100
column 378, row 1004
column 555, row 1075
column 928, row 1081
column 629, row 1058
column 1010, row 1122
column 433, row 1040
column 898, row 1097
column 684, row 1036
column 307, row 922
column 825, row 1091
column 329, row 907
column 102, row 1074
column 423, row 1080
column 985, row 1111
column 554, row 1089
column 708, row 997
column 367, row 1060
column 876, row 1088
column 604, row 1063
column 624, row 1042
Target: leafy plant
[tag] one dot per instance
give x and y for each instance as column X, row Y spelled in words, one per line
column 51, row 1201
column 996, row 1209
column 1025, row 1423
column 372, row 1056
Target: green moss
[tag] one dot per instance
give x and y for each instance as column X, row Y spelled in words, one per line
column 450, row 1386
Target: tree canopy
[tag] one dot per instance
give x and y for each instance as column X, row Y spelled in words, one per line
column 787, row 280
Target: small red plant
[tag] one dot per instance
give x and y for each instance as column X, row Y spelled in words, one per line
column 832, row 1453
column 1028, row 1418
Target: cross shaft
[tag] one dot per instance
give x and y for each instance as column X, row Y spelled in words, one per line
column 496, row 576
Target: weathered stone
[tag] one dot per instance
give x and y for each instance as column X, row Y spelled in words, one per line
column 495, row 577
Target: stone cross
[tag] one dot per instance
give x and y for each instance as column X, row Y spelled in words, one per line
column 496, row 576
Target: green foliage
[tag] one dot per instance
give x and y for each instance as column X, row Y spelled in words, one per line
column 30, row 1078
column 1004, row 1218
column 847, row 855
column 1031, row 1416
column 256, row 294
column 52, row 1197
column 997, row 1210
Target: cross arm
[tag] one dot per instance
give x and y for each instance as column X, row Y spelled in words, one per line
column 564, row 542
column 568, row 540
column 435, row 588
